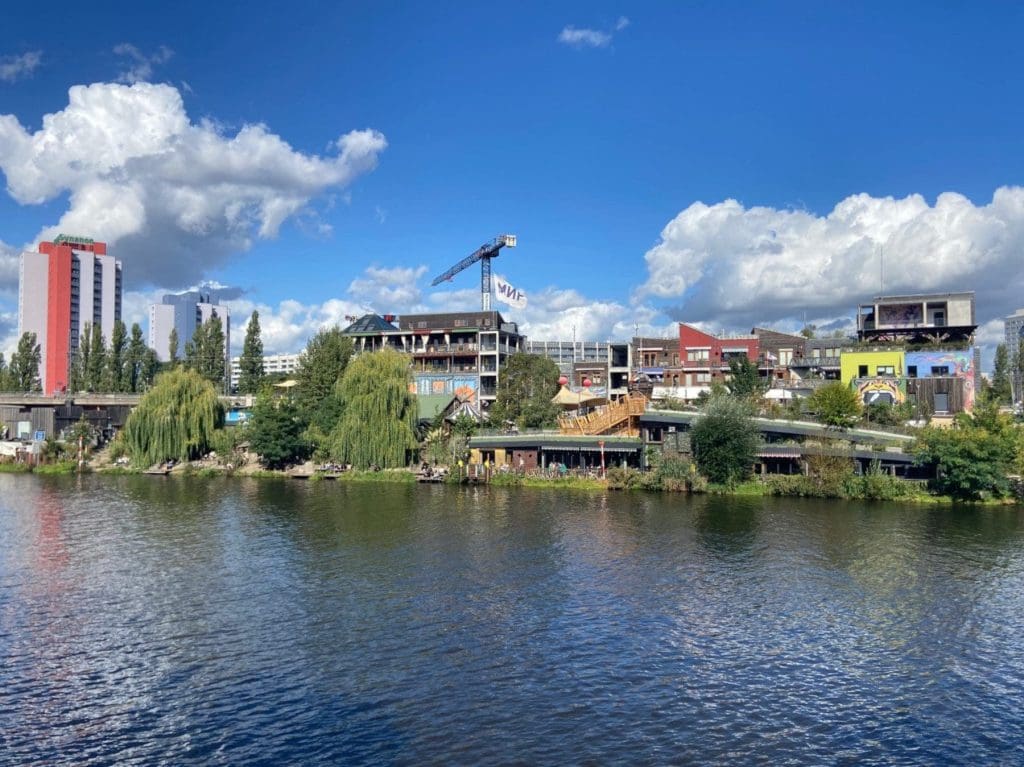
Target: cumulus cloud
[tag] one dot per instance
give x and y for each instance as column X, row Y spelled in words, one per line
column 140, row 66
column 14, row 68
column 388, row 290
column 584, row 38
column 173, row 197
column 740, row 266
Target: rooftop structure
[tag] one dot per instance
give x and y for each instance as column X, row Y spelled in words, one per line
column 918, row 318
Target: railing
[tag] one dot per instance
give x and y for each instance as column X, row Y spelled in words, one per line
column 615, row 415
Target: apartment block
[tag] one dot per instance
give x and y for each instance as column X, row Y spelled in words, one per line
column 68, row 284
column 184, row 312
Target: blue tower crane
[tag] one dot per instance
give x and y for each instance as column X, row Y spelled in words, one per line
column 483, row 254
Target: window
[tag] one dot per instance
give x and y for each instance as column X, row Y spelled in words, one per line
column 697, row 355
column 885, row 370
column 785, row 356
column 941, row 402
column 911, row 371
column 702, row 378
column 940, row 370
column 862, row 371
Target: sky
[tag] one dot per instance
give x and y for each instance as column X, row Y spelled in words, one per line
column 720, row 163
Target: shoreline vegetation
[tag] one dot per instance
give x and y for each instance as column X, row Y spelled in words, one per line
column 853, row 488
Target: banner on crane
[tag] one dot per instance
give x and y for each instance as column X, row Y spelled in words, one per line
column 505, row 293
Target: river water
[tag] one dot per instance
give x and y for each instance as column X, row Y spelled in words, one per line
column 150, row 620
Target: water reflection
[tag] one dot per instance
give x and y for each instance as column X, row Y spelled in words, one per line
column 146, row 619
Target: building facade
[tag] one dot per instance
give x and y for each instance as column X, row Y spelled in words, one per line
column 68, row 284
column 606, row 364
column 918, row 319
column 1013, row 334
column 184, row 312
column 458, row 353
column 273, row 365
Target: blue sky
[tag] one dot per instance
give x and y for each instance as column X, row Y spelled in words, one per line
column 609, row 138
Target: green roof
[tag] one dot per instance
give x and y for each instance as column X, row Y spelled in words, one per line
column 430, row 405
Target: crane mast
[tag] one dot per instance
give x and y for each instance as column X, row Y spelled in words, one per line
column 483, row 254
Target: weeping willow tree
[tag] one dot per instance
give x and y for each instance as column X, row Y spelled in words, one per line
column 174, row 419
column 378, row 423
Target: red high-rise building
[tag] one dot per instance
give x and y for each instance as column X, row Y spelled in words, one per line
column 68, row 284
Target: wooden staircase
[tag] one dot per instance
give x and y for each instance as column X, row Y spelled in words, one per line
column 622, row 417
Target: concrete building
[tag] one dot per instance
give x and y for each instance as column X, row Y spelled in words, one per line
column 606, row 364
column 1013, row 334
column 919, row 318
column 273, row 365
column 453, row 353
column 184, row 312
column 68, row 284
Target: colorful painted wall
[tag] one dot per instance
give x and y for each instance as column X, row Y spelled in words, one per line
column 850, row 364
column 959, row 364
column 465, row 386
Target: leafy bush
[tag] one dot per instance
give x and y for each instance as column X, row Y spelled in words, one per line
column 725, row 440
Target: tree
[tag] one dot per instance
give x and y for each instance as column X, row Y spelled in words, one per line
column 526, row 385
column 77, row 374
column 809, row 331
column 134, row 357
column 204, row 352
column 1001, row 390
column 172, row 348
column 744, row 379
column 251, row 361
column 275, row 432
column 96, row 360
column 378, row 421
column 5, row 377
column 973, row 458
column 725, row 440
column 24, row 369
column 321, row 366
column 835, row 404
column 113, row 377
column 175, row 419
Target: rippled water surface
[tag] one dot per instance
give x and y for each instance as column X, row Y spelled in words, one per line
column 153, row 620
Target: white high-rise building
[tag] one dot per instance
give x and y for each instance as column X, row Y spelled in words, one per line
column 185, row 312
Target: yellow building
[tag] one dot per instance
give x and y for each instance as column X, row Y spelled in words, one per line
column 878, row 376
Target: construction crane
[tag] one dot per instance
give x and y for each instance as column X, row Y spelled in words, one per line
column 483, row 254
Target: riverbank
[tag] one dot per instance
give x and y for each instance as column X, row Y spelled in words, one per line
column 862, row 488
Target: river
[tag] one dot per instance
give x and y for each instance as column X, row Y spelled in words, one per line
column 154, row 620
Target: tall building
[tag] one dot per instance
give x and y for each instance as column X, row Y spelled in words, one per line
column 1013, row 329
column 68, row 284
column 185, row 312
column 273, row 365
column 458, row 353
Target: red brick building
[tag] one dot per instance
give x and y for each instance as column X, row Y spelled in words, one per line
column 704, row 358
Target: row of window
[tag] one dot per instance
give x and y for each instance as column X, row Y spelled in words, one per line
column 890, row 370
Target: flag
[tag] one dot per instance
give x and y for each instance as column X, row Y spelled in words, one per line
column 505, row 293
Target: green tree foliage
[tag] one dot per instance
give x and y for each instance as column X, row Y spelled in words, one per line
column 1001, row 386
column 725, row 440
column 745, row 380
column 5, row 376
column 974, row 457
column 175, row 419
column 134, row 358
column 113, row 375
column 172, row 348
column 204, row 352
column 251, row 360
column 23, row 372
column 321, row 366
column 276, row 433
column 526, row 385
column 97, row 359
column 884, row 414
column 378, row 421
column 835, row 404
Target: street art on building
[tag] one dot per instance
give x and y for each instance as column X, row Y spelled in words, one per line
column 464, row 387
column 955, row 364
column 900, row 315
column 881, row 391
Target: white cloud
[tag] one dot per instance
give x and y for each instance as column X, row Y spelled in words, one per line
column 740, row 266
column 16, row 67
column 621, row 24
column 171, row 197
column 584, row 38
column 388, row 291
column 140, row 66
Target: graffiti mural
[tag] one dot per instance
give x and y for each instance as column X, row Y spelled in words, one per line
column 881, row 391
column 900, row 315
column 462, row 385
column 955, row 364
